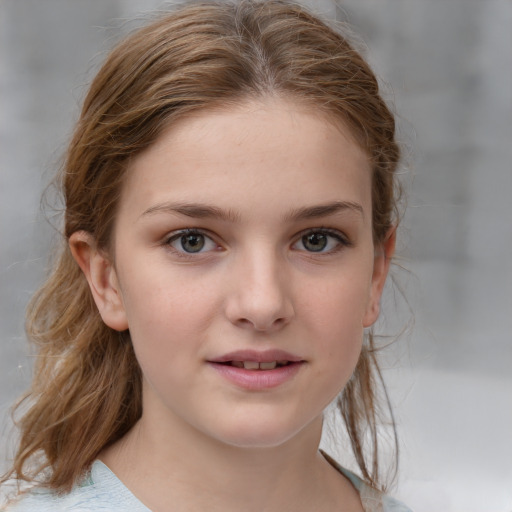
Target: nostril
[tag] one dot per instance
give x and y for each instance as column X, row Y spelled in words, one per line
column 244, row 322
column 272, row 325
column 260, row 325
column 258, row 311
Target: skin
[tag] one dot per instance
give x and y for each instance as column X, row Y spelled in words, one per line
column 203, row 442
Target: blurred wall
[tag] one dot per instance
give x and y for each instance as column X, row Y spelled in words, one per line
column 447, row 66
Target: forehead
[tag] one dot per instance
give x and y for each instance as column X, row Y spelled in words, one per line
column 258, row 153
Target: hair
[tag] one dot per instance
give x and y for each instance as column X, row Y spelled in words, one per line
column 87, row 387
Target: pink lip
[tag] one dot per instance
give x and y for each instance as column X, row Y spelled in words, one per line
column 265, row 356
column 257, row 380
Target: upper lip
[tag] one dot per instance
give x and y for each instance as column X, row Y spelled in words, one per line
column 264, row 356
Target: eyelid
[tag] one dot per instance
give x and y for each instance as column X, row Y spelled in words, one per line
column 342, row 238
column 175, row 235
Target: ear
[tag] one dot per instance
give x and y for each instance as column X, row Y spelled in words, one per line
column 383, row 255
column 101, row 276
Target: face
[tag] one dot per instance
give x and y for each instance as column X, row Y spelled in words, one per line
column 245, row 271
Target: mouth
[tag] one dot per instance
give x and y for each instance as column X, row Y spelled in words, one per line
column 255, row 370
column 258, row 366
column 257, row 360
column 256, row 376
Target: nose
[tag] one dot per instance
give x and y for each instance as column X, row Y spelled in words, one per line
column 260, row 297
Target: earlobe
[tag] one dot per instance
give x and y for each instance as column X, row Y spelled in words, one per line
column 101, row 276
column 382, row 260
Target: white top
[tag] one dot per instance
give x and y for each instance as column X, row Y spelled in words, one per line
column 102, row 491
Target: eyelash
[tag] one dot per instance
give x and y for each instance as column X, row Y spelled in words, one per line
column 341, row 239
column 185, row 232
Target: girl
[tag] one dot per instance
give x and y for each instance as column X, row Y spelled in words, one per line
column 230, row 222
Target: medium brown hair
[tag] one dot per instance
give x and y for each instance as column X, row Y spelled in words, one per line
column 86, row 392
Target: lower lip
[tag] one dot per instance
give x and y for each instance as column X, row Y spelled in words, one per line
column 258, row 379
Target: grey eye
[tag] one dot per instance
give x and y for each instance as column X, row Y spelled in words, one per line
column 192, row 242
column 321, row 241
column 315, row 242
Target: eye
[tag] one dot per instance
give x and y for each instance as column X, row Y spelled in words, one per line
column 191, row 242
column 321, row 241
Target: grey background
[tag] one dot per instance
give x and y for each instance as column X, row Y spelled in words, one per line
column 447, row 66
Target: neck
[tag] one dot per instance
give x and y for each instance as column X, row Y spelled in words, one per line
column 179, row 468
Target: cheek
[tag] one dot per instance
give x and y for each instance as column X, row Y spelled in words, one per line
column 167, row 318
column 341, row 336
column 336, row 313
column 340, row 301
column 168, row 331
column 167, row 299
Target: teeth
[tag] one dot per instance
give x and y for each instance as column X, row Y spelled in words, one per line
column 254, row 365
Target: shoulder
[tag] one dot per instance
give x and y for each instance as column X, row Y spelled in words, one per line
column 389, row 504
column 100, row 491
column 371, row 499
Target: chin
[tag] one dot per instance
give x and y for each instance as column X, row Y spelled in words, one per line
column 258, row 440
column 260, row 435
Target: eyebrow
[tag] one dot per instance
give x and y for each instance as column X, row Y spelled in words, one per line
column 195, row 210
column 203, row 211
column 324, row 210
